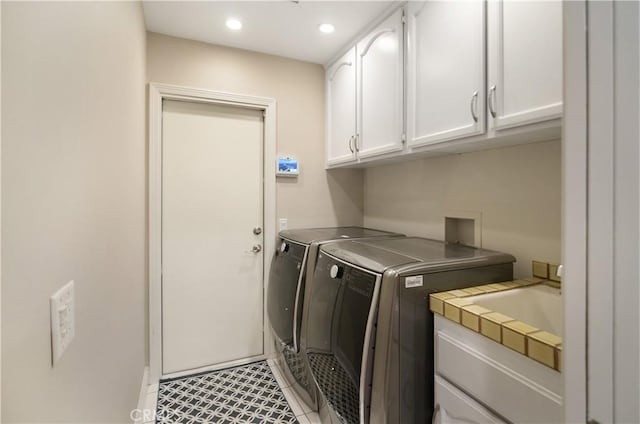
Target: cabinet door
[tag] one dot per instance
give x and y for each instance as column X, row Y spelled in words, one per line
column 380, row 89
column 525, row 62
column 446, row 70
column 341, row 109
column 455, row 407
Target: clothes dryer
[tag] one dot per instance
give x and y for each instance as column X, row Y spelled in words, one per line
column 291, row 269
column 369, row 339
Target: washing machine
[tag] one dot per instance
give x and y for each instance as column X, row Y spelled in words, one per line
column 291, row 270
column 369, row 338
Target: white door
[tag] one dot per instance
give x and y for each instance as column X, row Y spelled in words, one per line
column 446, row 62
column 212, row 199
column 341, row 113
column 525, row 62
column 380, row 89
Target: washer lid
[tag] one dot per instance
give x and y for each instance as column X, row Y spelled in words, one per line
column 415, row 254
column 310, row 235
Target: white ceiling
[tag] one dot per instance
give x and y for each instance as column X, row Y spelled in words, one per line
column 282, row 28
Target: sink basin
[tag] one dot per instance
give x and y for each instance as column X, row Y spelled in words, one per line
column 539, row 306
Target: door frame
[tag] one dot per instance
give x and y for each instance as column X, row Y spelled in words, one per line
column 157, row 93
column 601, row 199
column 575, row 143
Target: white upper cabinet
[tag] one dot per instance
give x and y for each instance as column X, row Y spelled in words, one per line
column 341, row 109
column 446, row 71
column 380, row 89
column 525, row 62
column 465, row 76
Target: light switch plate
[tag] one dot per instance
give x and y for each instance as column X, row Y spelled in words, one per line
column 283, row 224
column 62, row 305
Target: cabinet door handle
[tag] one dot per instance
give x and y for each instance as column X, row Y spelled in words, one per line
column 357, row 143
column 473, row 106
column 492, row 95
column 351, row 144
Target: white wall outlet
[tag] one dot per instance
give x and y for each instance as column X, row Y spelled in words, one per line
column 284, row 223
column 63, row 325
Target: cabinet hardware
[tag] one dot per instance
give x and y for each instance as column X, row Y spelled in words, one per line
column 357, row 143
column 351, row 144
column 492, row 95
column 473, row 105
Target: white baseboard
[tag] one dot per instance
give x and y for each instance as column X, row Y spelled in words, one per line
column 216, row 367
column 143, row 393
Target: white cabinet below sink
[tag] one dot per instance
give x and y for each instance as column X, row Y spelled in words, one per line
column 503, row 381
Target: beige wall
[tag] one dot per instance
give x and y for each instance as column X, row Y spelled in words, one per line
column 316, row 197
column 517, row 190
column 73, row 207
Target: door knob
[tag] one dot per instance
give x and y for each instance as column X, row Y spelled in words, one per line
column 257, row 231
column 256, row 248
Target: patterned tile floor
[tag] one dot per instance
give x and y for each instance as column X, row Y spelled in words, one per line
column 251, row 393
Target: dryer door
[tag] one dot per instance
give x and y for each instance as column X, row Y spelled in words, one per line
column 287, row 270
column 342, row 314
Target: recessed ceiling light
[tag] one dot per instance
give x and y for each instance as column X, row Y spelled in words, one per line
column 326, row 28
column 234, row 24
